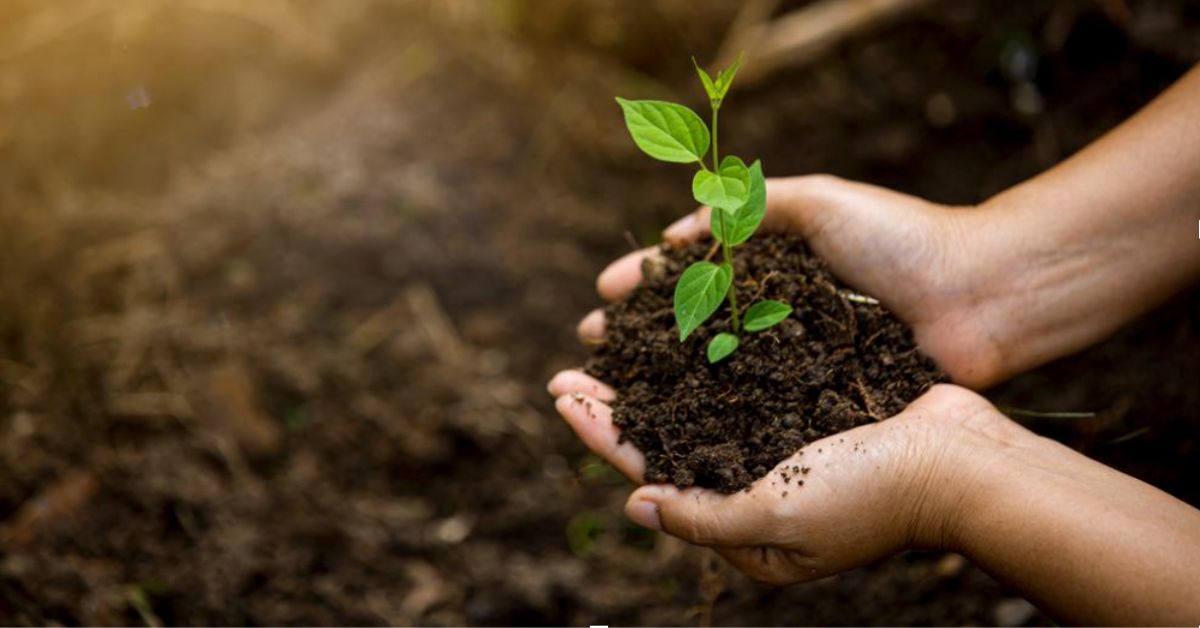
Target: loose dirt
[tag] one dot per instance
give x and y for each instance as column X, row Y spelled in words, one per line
column 838, row 362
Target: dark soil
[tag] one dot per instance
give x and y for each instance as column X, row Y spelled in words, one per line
column 833, row 365
column 273, row 349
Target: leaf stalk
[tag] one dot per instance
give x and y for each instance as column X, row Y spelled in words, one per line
column 716, row 159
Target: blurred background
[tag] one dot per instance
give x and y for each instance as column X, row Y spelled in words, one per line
column 281, row 283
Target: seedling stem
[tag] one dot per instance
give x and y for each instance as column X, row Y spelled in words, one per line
column 737, row 196
column 716, row 160
column 727, row 252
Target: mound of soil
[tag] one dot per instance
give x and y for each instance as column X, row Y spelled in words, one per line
column 837, row 362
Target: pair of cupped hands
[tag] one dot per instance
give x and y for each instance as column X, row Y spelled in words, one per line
column 922, row 469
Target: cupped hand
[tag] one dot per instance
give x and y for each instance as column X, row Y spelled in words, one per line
column 912, row 255
column 861, row 495
column 868, row 492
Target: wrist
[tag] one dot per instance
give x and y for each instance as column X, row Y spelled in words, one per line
column 1050, row 272
column 993, row 264
column 1020, row 269
column 967, row 326
column 968, row 447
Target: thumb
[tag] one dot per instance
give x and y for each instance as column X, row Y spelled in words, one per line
column 705, row 517
column 802, row 205
column 872, row 238
column 813, row 206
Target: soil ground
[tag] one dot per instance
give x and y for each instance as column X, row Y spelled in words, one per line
column 280, row 289
column 832, row 365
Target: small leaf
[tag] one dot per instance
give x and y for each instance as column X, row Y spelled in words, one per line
column 725, row 77
column 739, row 225
column 709, row 87
column 699, row 293
column 721, row 346
column 727, row 188
column 717, row 89
column 666, row 131
column 765, row 314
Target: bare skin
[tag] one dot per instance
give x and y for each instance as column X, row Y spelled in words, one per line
column 1037, row 272
column 1042, row 270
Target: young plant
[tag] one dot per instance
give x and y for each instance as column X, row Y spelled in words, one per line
column 737, row 195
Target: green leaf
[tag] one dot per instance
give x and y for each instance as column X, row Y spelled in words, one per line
column 765, row 314
column 739, row 225
column 727, row 188
column 717, row 89
column 666, row 131
column 721, row 222
column 721, row 346
column 725, row 77
column 709, row 87
column 699, row 293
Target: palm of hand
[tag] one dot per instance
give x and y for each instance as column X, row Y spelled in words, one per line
column 867, row 494
column 910, row 254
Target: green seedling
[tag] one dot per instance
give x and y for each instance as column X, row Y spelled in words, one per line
column 737, row 195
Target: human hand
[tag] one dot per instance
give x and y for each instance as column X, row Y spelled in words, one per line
column 950, row 472
column 1035, row 273
column 910, row 254
column 868, row 493
column 871, row 491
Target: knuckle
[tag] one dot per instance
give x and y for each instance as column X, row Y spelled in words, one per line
column 776, row 515
column 822, row 178
column 815, row 184
column 700, row 531
column 698, row 525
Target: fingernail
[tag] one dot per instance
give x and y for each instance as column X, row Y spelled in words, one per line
column 645, row 514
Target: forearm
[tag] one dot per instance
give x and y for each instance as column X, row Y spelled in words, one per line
column 1087, row 544
column 1073, row 254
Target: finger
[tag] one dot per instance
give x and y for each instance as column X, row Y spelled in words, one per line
column 704, row 517
column 623, row 275
column 794, row 204
column 576, row 381
column 689, row 228
column 785, row 199
column 592, row 421
column 591, row 328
